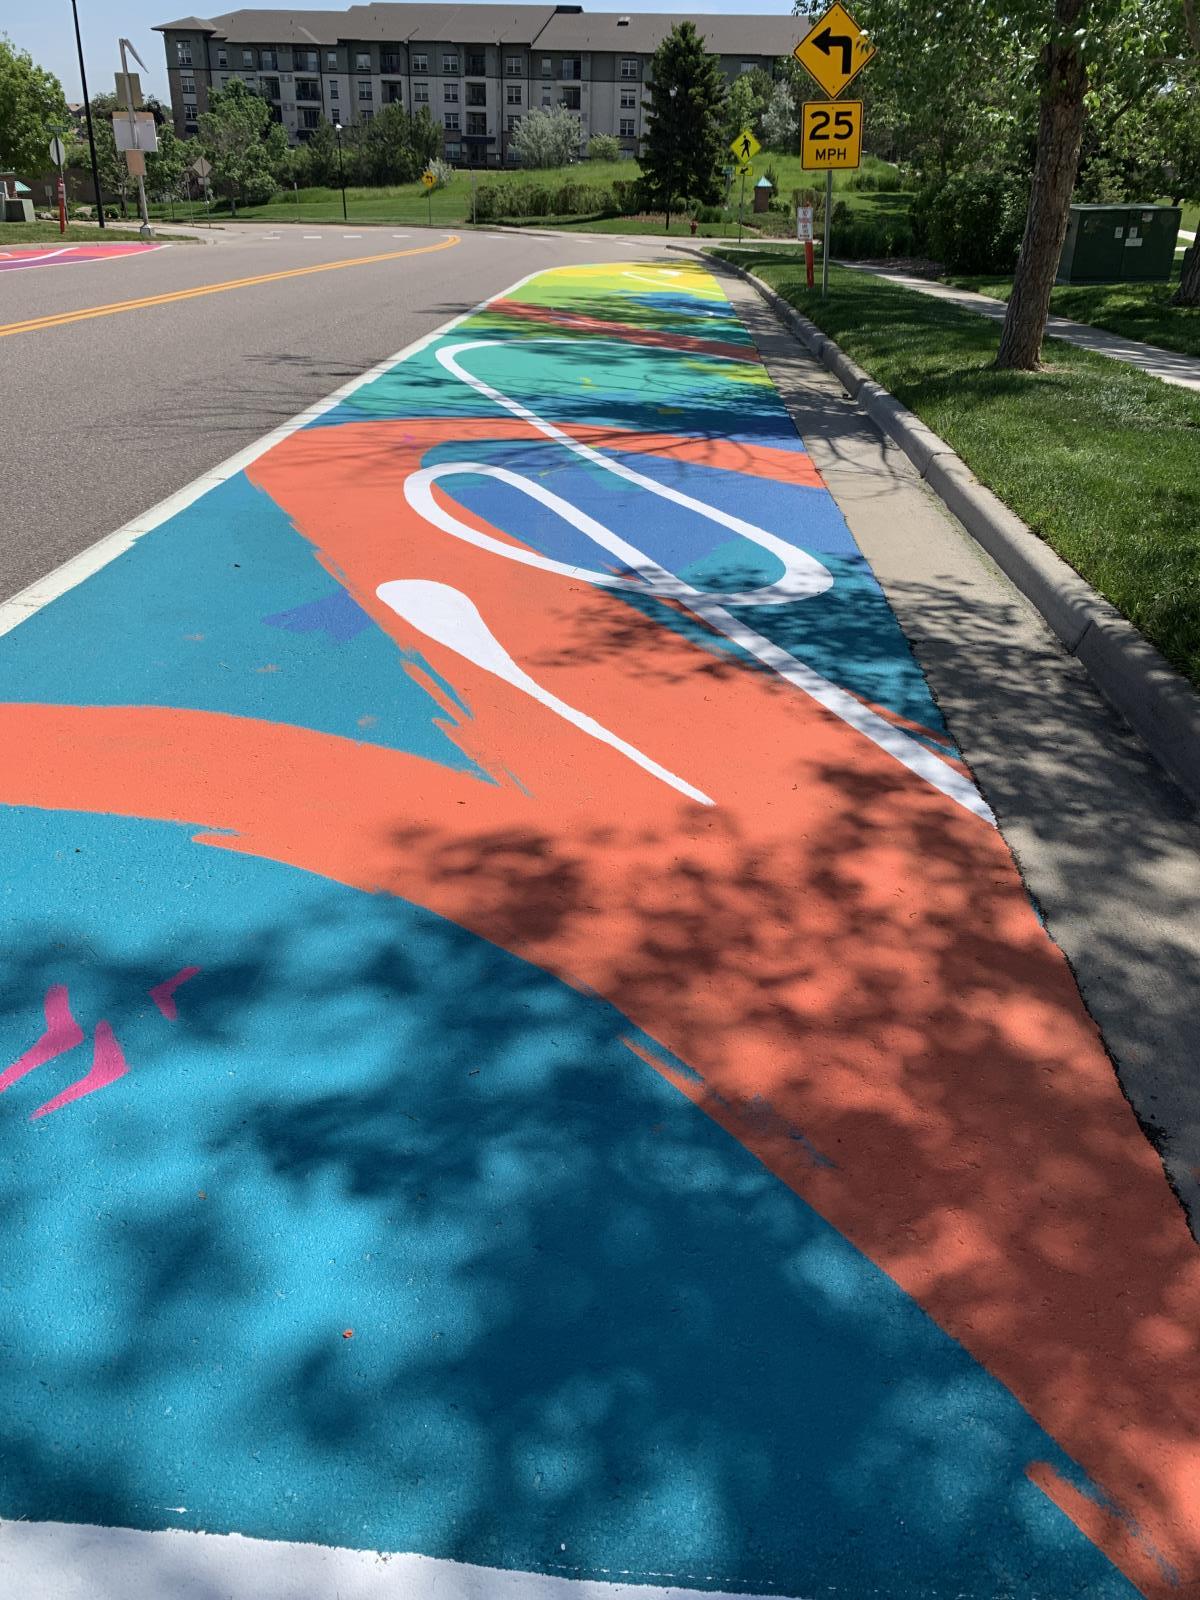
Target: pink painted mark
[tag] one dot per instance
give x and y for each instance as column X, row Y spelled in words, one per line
column 163, row 993
column 108, row 1064
column 62, row 1033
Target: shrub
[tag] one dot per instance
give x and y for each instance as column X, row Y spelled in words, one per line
column 546, row 138
column 604, row 147
column 867, row 238
column 513, row 201
column 709, row 213
column 629, row 197
column 443, row 172
column 971, row 222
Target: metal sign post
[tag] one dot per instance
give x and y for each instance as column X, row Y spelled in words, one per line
column 128, row 89
column 825, row 239
column 57, row 155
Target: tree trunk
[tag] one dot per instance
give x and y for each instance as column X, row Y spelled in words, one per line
column 1060, row 132
column 1188, row 292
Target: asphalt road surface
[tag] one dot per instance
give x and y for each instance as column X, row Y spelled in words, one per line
column 100, row 418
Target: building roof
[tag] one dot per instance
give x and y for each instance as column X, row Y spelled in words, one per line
column 545, row 25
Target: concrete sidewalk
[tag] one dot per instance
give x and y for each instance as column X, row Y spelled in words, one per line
column 1168, row 365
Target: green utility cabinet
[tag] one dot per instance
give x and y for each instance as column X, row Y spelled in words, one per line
column 1119, row 244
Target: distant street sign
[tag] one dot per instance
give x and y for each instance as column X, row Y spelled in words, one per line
column 745, row 147
column 834, row 51
column 428, row 179
column 143, row 135
column 135, row 160
column 57, row 151
column 831, row 135
column 129, row 91
column 804, row 223
column 201, row 168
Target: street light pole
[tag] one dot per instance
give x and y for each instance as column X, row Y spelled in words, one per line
column 672, row 91
column 87, row 110
column 337, row 128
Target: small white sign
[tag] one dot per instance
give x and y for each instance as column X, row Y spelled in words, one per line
column 142, row 136
column 57, row 152
column 804, row 223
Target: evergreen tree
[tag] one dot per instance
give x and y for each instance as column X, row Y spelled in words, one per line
column 682, row 152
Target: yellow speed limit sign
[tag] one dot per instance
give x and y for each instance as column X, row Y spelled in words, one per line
column 830, row 135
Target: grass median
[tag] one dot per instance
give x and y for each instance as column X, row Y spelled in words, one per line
column 1100, row 460
column 1132, row 310
column 77, row 233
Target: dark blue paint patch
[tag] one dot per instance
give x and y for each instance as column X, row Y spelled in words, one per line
column 336, row 615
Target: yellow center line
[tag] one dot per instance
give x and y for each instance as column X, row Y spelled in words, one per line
column 34, row 324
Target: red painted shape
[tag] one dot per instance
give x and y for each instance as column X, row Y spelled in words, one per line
column 62, row 1033
column 833, row 937
column 108, row 1064
column 625, row 332
column 163, row 993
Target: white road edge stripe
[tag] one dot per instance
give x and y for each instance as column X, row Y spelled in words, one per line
column 79, row 1561
column 42, row 591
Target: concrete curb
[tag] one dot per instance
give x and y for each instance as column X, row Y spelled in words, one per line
column 1155, row 700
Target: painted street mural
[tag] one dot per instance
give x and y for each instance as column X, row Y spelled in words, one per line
column 521, row 1041
column 15, row 258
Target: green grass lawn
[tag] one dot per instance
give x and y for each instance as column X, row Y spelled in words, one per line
column 451, row 206
column 1133, row 310
column 1102, row 461
column 47, row 233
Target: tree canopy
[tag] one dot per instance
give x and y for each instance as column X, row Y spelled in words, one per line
column 684, row 146
column 247, row 149
column 31, row 103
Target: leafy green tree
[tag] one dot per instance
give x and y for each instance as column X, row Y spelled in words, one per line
column 684, row 146
column 246, row 148
column 165, row 170
column 31, row 101
column 547, row 138
column 744, row 107
column 779, row 123
column 604, row 147
column 395, row 146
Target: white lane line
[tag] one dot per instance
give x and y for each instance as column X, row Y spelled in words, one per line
column 62, row 579
column 352, row 236
column 79, row 1561
column 310, row 235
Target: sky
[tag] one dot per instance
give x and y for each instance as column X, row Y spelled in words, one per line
column 46, row 32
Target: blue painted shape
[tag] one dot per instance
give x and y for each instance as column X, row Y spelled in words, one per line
column 335, row 614
column 178, row 621
column 590, row 1331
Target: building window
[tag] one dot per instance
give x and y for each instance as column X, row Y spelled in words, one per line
column 183, row 53
column 547, row 67
column 267, row 61
column 547, row 94
column 420, row 63
column 222, row 58
column 477, row 94
column 365, row 92
column 331, row 60
column 362, row 61
column 187, row 85
column 389, row 61
column 305, row 61
column 189, row 112
column 333, row 89
column 451, row 121
column 512, row 94
column 420, row 94
column 450, row 64
column 629, row 67
column 307, row 89
column 514, row 66
column 393, row 94
column 629, row 127
column 749, row 66
column 570, row 99
column 309, row 116
column 365, row 116
column 477, row 124
column 453, row 152
column 476, row 64
column 270, row 88
column 513, row 124
column 248, row 60
column 571, row 67
column 450, row 94
column 628, row 99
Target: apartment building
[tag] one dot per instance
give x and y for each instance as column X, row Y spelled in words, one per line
column 477, row 68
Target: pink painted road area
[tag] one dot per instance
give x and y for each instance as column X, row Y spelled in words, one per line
column 19, row 257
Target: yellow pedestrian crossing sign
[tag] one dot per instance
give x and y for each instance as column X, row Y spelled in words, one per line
column 745, row 147
column 834, row 50
column 429, row 179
